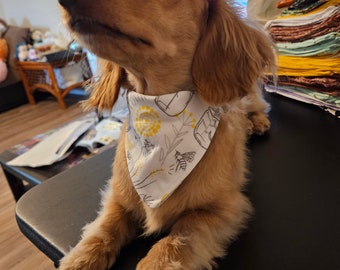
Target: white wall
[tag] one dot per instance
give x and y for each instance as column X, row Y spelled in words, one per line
column 2, row 13
column 35, row 14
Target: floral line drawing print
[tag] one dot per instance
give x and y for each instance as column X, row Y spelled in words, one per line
column 146, row 181
column 187, row 120
column 146, row 198
column 135, row 170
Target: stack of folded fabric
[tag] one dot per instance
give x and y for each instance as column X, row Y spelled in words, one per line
column 307, row 37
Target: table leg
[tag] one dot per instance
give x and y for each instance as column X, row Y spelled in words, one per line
column 16, row 184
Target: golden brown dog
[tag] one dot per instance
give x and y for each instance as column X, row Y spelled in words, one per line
column 156, row 47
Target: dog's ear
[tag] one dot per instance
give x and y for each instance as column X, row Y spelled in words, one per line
column 105, row 91
column 230, row 56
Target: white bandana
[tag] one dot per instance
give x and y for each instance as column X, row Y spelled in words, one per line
column 166, row 137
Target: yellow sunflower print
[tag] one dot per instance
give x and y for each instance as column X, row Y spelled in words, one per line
column 147, row 121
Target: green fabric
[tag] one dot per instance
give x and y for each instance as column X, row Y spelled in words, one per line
column 326, row 44
column 316, row 95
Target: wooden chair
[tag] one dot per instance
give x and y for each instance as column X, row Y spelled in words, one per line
column 40, row 75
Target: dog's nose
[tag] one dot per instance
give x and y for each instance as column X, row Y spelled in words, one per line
column 67, row 3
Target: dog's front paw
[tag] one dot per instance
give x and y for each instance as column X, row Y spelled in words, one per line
column 89, row 254
column 169, row 253
column 258, row 123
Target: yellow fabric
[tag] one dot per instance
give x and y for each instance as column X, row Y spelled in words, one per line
column 308, row 66
column 320, row 8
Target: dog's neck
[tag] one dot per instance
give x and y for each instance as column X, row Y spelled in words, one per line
column 154, row 82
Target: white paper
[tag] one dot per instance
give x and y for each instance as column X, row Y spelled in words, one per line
column 105, row 132
column 55, row 147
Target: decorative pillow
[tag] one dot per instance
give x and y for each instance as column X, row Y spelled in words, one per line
column 13, row 36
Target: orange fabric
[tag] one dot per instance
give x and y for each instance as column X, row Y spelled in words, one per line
column 3, row 49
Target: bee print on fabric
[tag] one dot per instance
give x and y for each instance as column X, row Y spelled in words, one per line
column 186, row 122
column 182, row 159
column 148, row 147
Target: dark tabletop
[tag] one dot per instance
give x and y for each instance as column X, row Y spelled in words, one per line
column 294, row 187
